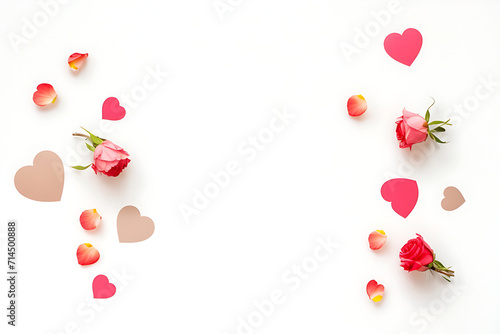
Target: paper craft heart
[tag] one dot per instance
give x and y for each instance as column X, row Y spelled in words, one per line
column 404, row 48
column 111, row 109
column 403, row 195
column 102, row 288
column 453, row 199
column 132, row 227
column 44, row 181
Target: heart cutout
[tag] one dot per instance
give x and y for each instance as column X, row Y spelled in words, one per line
column 453, row 199
column 44, row 181
column 404, row 48
column 132, row 227
column 102, row 288
column 111, row 109
column 403, row 195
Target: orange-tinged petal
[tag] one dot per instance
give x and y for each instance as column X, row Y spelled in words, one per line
column 356, row 105
column 375, row 291
column 76, row 60
column 90, row 219
column 45, row 94
column 377, row 239
column 87, row 254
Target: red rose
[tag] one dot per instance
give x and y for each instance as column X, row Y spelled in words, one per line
column 416, row 255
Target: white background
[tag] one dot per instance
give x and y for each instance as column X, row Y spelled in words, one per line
column 320, row 177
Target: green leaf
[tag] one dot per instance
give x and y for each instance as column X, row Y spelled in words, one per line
column 438, row 140
column 81, row 167
column 90, row 147
column 95, row 140
column 440, row 122
column 446, row 278
column 427, row 116
column 440, row 265
column 439, row 129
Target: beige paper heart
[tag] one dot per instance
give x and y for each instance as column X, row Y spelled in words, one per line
column 453, row 199
column 44, row 181
column 132, row 227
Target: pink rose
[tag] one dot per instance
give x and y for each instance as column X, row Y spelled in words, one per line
column 416, row 255
column 411, row 129
column 109, row 159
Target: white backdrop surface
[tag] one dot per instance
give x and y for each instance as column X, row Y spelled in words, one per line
column 200, row 83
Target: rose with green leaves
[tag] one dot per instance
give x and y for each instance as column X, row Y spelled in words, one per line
column 412, row 128
column 109, row 158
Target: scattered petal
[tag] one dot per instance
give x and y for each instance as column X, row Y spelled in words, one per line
column 356, row 105
column 377, row 239
column 375, row 291
column 76, row 60
column 87, row 254
column 90, row 219
column 45, row 94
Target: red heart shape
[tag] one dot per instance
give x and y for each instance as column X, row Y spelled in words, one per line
column 102, row 288
column 403, row 193
column 404, row 48
column 111, row 109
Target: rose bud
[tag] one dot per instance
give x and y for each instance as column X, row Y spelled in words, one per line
column 411, row 129
column 109, row 158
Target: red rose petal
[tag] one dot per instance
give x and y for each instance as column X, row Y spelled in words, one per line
column 377, row 239
column 375, row 291
column 356, row 105
column 76, row 60
column 90, row 219
column 87, row 254
column 45, row 94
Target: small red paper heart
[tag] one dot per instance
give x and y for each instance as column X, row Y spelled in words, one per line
column 111, row 109
column 102, row 288
column 404, row 48
column 402, row 193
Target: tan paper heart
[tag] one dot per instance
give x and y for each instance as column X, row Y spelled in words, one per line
column 132, row 227
column 44, row 181
column 453, row 199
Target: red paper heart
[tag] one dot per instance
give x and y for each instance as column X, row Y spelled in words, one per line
column 111, row 109
column 403, row 193
column 102, row 288
column 404, row 48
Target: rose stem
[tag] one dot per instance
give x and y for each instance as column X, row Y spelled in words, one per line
column 81, row 135
column 450, row 273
